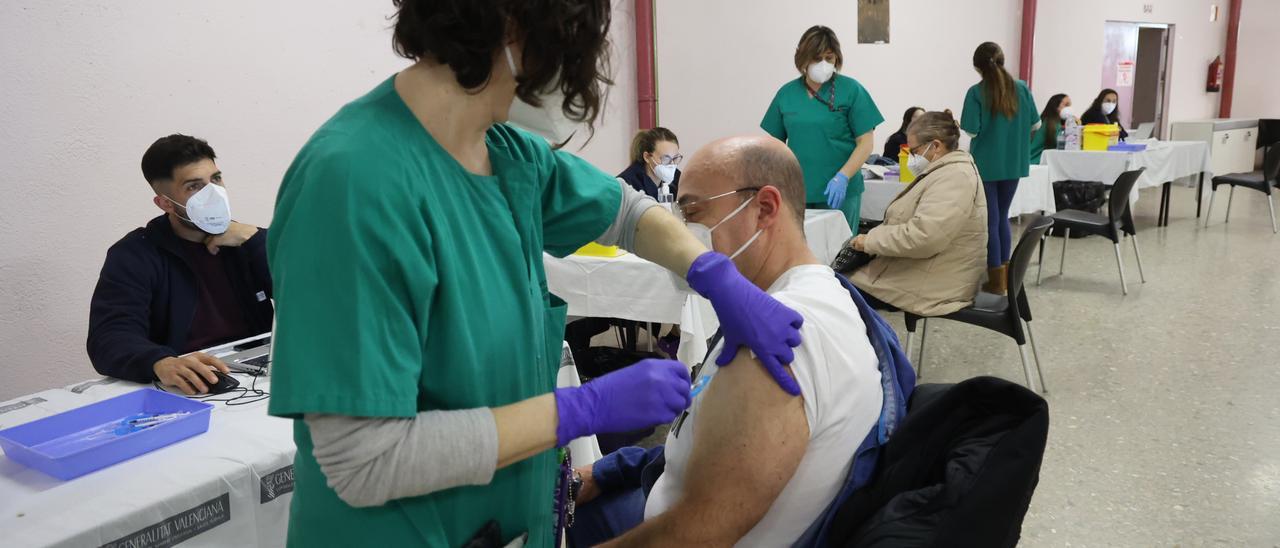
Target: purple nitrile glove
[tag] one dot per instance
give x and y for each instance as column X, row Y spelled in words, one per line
column 647, row 393
column 748, row 317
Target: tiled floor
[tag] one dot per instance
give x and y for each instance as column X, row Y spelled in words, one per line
column 1165, row 404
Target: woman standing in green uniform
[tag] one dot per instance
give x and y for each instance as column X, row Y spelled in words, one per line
column 416, row 346
column 828, row 120
column 999, row 114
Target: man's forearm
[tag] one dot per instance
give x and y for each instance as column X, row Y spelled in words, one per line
column 125, row 356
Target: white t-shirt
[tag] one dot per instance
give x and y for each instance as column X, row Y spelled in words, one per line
column 839, row 379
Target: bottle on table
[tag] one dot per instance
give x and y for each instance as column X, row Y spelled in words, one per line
column 1072, row 134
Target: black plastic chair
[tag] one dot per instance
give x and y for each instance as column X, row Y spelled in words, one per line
column 1116, row 224
column 1003, row 314
column 1261, row 181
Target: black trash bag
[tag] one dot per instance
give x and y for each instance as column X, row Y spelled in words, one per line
column 596, row 361
column 1079, row 195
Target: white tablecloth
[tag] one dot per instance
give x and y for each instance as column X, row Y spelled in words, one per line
column 230, row 486
column 632, row 288
column 1035, row 194
column 1165, row 161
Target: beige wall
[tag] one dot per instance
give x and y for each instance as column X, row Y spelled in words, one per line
column 1069, row 49
column 721, row 61
column 89, row 85
column 1257, row 90
column 87, row 88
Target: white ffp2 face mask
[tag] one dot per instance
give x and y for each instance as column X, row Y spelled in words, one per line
column 1108, row 108
column 821, row 71
column 209, row 209
column 548, row 120
column 665, row 173
column 703, row 234
column 917, row 163
column 1065, row 113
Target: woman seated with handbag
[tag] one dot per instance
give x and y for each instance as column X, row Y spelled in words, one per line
column 929, row 255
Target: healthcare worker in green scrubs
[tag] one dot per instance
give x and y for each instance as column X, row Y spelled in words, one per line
column 999, row 115
column 828, row 120
column 416, row 347
column 1053, row 119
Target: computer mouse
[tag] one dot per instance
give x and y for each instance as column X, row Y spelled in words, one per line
column 225, row 383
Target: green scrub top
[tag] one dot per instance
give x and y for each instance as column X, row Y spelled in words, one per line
column 404, row 283
column 823, row 135
column 1037, row 142
column 1000, row 147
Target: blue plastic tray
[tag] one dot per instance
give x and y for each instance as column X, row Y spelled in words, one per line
column 55, row 445
column 1127, row 147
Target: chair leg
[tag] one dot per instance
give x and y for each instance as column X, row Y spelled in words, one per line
column 1124, row 289
column 1026, row 366
column 1213, row 194
column 910, row 335
column 1272, row 205
column 1044, row 388
column 924, row 334
column 1062, row 263
column 1138, row 253
column 1040, row 263
column 1230, row 195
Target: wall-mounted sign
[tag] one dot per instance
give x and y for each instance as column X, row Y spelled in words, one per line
column 1124, row 74
column 873, row 21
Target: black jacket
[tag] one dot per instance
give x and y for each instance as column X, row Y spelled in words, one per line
column 145, row 299
column 959, row 472
column 635, row 176
column 894, row 145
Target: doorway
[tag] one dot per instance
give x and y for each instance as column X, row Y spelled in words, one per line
column 1136, row 64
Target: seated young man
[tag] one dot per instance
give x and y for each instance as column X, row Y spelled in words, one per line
column 750, row 463
column 191, row 279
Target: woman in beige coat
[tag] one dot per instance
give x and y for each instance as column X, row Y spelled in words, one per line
column 931, row 251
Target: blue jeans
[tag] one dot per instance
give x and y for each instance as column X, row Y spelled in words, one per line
column 624, row 478
column 606, row 518
column 999, row 238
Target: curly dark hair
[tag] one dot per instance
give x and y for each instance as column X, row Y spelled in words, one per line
column 172, row 152
column 565, row 45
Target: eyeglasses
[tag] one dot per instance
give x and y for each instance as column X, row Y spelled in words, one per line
column 686, row 209
column 668, row 159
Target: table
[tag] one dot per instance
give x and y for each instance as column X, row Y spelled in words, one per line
column 230, row 486
column 631, row 288
column 1164, row 161
column 1034, row 195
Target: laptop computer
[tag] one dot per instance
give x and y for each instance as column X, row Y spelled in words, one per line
column 1142, row 132
column 251, row 355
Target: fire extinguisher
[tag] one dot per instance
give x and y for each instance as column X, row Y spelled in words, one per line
column 1215, row 75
